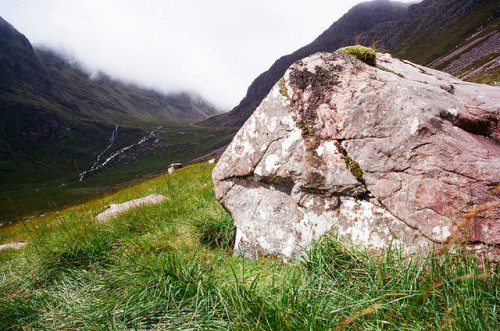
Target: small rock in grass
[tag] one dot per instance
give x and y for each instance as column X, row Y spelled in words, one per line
column 115, row 209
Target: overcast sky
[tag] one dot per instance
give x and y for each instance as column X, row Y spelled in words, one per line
column 214, row 47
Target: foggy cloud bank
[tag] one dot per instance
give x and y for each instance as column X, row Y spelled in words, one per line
column 215, row 48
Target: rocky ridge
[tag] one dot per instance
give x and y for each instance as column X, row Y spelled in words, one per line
column 456, row 36
column 394, row 155
column 361, row 18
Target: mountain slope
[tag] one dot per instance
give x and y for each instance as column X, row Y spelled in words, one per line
column 56, row 123
column 109, row 100
column 458, row 36
column 19, row 68
column 359, row 19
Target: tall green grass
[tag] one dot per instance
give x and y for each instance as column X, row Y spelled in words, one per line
column 169, row 266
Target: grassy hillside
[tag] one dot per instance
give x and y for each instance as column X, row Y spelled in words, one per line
column 42, row 136
column 41, row 179
column 169, row 266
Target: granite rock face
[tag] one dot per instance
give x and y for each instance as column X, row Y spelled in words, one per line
column 395, row 154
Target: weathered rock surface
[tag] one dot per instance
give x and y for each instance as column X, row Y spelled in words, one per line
column 14, row 245
column 173, row 167
column 397, row 156
column 116, row 209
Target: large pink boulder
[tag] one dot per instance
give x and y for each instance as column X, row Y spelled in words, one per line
column 396, row 154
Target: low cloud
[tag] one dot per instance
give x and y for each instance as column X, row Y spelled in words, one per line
column 215, row 48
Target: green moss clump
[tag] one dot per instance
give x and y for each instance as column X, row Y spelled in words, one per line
column 362, row 53
column 354, row 168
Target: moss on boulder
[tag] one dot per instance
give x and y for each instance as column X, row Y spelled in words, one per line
column 362, row 53
column 354, row 168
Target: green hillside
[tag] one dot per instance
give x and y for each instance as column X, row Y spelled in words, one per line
column 58, row 143
column 170, row 267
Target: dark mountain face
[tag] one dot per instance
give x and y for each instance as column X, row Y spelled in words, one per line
column 458, row 36
column 19, row 66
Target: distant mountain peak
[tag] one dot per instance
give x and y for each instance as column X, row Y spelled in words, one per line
column 19, row 65
column 421, row 31
column 358, row 19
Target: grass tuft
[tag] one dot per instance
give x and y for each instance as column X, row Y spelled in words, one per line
column 362, row 53
column 217, row 232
